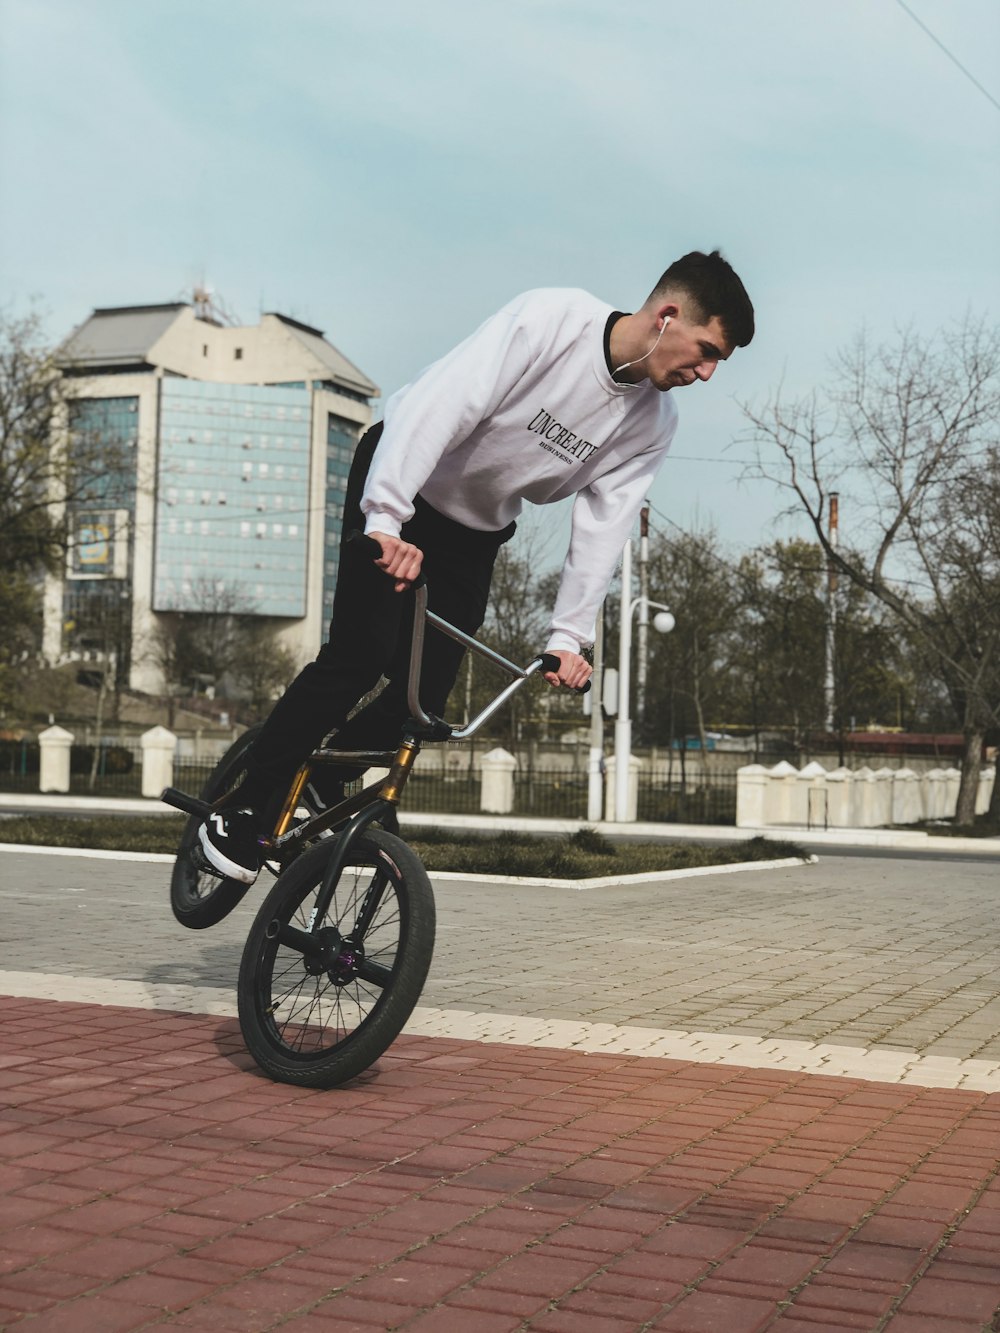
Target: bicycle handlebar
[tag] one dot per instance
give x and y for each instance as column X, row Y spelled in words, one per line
column 368, row 546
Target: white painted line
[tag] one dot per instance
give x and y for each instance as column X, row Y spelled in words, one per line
column 622, row 881
column 728, row 1048
column 90, row 852
column 608, row 882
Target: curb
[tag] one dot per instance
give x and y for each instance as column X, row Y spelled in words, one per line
column 531, row 881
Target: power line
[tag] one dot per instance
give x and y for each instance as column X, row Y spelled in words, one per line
column 951, row 56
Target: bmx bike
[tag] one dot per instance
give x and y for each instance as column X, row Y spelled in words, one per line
column 337, row 955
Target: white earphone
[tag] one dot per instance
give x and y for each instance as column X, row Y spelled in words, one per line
column 625, row 384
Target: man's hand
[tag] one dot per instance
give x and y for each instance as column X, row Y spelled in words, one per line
column 574, row 671
column 400, row 559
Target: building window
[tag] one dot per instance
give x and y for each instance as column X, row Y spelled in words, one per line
column 238, row 354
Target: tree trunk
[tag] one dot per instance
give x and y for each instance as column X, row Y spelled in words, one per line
column 972, row 758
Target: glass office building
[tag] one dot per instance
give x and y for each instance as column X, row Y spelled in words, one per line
column 227, row 451
column 232, row 513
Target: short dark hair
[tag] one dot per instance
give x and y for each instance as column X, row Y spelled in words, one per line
column 711, row 285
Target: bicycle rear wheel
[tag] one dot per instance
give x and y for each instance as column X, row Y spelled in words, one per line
column 319, row 1022
column 198, row 899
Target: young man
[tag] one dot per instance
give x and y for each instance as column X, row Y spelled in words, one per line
column 555, row 395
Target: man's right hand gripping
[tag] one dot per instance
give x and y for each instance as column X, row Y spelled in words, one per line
column 400, row 559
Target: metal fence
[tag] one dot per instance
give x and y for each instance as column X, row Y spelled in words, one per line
column 546, row 792
column 557, row 794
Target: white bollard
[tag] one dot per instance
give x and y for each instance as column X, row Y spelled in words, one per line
column 882, row 793
column 953, row 780
column 987, row 777
column 862, row 798
column 632, row 802
column 53, row 747
column 497, row 782
column 809, row 801
column 158, row 749
column 935, row 783
column 839, row 785
column 907, row 806
column 779, row 800
column 751, row 796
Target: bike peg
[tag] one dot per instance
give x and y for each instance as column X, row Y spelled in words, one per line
column 549, row 662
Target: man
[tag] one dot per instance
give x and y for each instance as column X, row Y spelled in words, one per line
column 555, row 395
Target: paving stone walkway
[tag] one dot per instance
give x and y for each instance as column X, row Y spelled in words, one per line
column 729, row 1105
column 152, row 1178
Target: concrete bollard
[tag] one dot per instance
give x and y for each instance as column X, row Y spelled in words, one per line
column 779, row 802
column 632, row 804
column 987, row 777
column 751, row 796
column 810, row 799
column 839, row 785
column 907, row 807
column 882, row 797
column 53, row 747
column 862, row 798
column 953, row 780
column 497, row 782
column 158, row 749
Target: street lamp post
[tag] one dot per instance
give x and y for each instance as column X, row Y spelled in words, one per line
column 664, row 623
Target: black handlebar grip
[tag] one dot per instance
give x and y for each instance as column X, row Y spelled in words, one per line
column 369, row 547
column 363, row 544
column 551, row 663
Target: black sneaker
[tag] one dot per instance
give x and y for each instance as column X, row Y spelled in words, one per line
column 229, row 842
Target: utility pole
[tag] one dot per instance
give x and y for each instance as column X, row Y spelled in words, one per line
column 643, row 635
column 595, row 766
column 623, row 721
column 829, row 685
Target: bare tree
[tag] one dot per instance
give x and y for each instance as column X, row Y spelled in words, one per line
column 908, row 432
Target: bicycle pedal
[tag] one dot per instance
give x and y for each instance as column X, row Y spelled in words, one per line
column 201, row 862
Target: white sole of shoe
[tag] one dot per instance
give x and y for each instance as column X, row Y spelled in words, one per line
column 223, row 864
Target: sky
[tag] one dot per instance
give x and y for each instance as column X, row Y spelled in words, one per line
column 394, row 172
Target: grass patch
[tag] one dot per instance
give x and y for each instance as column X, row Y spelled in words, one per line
column 114, row 833
column 586, row 854
column 983, row 827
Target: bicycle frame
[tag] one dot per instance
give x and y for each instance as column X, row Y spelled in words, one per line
column 381, row 797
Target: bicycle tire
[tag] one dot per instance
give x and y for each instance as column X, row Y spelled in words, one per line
column 198, row 899
column 296, row 1022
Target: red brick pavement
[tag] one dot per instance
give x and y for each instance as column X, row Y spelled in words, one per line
column 152, row 1178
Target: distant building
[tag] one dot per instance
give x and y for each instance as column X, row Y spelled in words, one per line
column 228, row 452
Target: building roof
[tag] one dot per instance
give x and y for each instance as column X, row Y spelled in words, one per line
column 341, row 370
column 118, row 336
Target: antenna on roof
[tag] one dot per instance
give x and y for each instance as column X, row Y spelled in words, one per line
column 209, row 307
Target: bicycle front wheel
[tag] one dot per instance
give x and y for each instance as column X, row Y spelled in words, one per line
column 318, row 1021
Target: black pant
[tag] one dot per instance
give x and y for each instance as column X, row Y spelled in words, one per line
column 370, row 638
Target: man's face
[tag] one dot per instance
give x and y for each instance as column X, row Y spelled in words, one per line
column 686, row 351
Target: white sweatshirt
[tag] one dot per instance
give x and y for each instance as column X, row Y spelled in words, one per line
column 526, row 409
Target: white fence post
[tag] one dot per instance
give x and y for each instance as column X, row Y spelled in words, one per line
column 158, row 749
column 632, row 803
column 497, row 782
column 53, row 767
column 751, row 795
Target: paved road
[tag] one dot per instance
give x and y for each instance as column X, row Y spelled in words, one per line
column 570, row 1181
column 866, row 952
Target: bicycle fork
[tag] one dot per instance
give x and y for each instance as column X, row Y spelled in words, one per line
column 309, row 942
